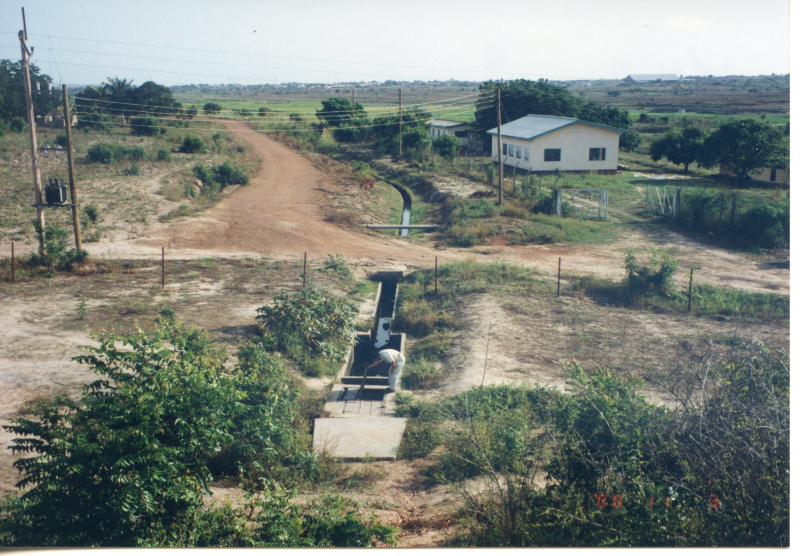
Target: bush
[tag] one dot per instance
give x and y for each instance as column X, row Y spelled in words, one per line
column 92, row 213
column 337, row 265
column 310, row 323
column 192, row 144
column 654, row 279
column 56, row 255
column 226, row 174
column 61, row 140
column 107, row 153
column 94, row 122
column 144, row 125
column 130, row 464
column 104, row 153
column 132, row 170
column 17, row 125
column 163, row 154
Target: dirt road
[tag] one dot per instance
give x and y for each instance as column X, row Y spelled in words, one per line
column 279, row 214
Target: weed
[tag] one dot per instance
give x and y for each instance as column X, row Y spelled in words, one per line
column 132, row 170
column 421, row 374
column 337, row 264
column 81, row 308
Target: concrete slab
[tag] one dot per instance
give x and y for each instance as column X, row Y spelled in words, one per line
column 376, row 437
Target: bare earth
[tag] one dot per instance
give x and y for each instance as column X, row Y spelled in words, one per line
column 280, row 215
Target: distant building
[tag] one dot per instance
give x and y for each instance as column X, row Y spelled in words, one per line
column 447, row 127
column 550, row 143
column 650, row 78
column 55, row 119
column 768, row 175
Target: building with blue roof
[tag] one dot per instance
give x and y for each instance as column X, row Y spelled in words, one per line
column 548, row 143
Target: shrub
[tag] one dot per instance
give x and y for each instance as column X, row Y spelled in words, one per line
column 163, row 154
column 144, row 125
column 226, row 174
column 132, row 170
column 654, row 279
column 92, row 213
column 337, row 264
column 105, row 153
column 192, row 144
column 17, row 125
column 56, row 255
column 94, row 122
column 309, row 323
column 61, row 140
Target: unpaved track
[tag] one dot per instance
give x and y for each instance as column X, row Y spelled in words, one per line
column 278, row 214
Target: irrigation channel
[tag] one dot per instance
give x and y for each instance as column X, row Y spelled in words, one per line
column 361, row 409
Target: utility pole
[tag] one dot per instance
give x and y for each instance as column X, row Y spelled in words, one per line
column 354, row 103
column 499, row 152
column 400, row 132
column 37, row 181
column 73, row 192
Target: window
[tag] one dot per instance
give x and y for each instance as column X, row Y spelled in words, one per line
column 438, row 133
column 527, row 154
column 461, row 133
column 505, row 148
column 773, row 174
column 552, row 155
column 597, row 154
column 519, row 151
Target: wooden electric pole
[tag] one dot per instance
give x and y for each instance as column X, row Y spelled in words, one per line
column 499, row 151
column 37, row 181
column 400, row 132
column 73, row 192
column 354, row 103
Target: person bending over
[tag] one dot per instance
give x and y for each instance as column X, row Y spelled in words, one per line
column 396, row 359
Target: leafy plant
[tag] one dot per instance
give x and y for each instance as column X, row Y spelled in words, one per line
column 129, row 465
column 144, row 125
column 56, row 255
column 192, row 144
column 309, row 323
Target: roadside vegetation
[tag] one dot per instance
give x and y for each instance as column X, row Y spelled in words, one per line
column 130, row 464
column 649, row 286
column 600, row 466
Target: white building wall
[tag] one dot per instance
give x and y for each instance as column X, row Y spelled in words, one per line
column 574, row 142
column 436, row 131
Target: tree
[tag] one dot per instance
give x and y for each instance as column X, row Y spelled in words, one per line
column 679, row 147
column 338, row 111
column 447, row 146
column 630, row 140
column 153, row 98
column 744, row 146
column 521, row 97
column 211, row 108
column 12, row 91
column 130, row 464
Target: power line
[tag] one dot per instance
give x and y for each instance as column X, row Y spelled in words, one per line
column 269, row 55
column 170, row 110
column 273, row 130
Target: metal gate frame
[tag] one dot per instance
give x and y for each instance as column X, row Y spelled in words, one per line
column 602, row 202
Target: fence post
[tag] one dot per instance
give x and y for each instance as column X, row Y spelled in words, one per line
column 13, row 268
column 163, row 269
column 691, row 275
column 558, row 287
column 304, row 270
column 436, row 276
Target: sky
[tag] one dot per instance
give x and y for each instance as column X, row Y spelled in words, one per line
column 178, row 42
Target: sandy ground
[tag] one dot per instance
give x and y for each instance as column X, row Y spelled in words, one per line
column 280, row 215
